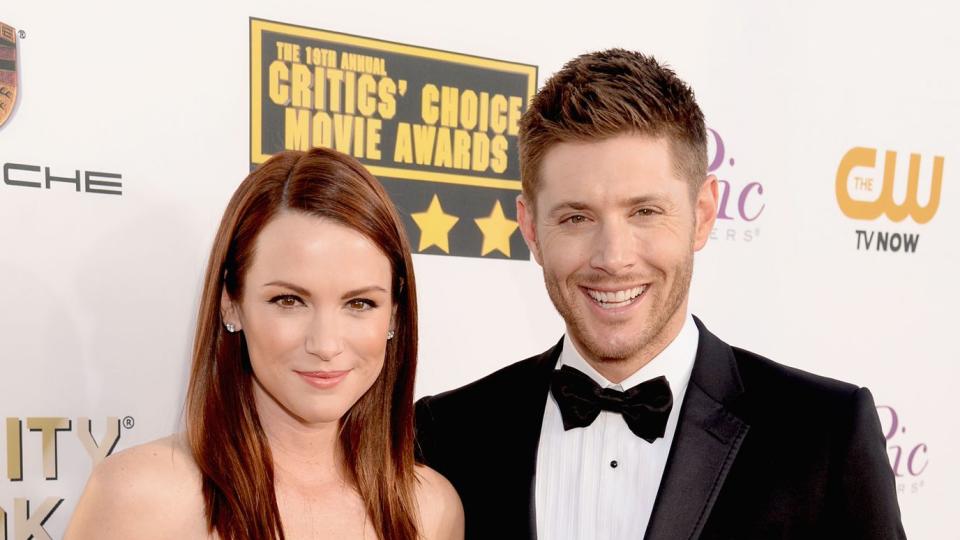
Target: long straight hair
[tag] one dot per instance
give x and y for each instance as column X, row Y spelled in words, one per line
column 223, row 428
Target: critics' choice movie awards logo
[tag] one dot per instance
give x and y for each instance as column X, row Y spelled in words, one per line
column 908, row 454
column 8, row 71
column 439, row 129
column 25, row 517
column 740, row 203
column 895, row 189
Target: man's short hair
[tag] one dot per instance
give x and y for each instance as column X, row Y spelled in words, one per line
column 607, row 93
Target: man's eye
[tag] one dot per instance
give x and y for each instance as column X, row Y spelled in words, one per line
column 286, row 301
column 361, row 304
column 646, row 212
column 575, row 219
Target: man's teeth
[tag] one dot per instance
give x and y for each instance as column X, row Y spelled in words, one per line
column 617, row 297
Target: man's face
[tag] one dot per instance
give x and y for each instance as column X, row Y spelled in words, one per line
column 615, row 229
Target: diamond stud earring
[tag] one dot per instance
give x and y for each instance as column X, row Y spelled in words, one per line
column 390, row 335
column 231, row 328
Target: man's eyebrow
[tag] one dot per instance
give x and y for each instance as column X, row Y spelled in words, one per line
column 568, row 205
column 626, row 203
column 644, row 199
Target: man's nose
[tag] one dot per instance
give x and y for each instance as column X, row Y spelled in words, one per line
column 615, row 248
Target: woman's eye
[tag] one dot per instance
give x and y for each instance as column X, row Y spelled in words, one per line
column 361, row 304
column 286, row 301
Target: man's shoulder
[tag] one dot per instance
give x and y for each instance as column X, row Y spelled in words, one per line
column 757, row 382
column 808, row 436
column 757, row 370
column 774, row 389
column 498, row 388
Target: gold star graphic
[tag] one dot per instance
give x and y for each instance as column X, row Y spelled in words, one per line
column 496, row 230
column 434, row 226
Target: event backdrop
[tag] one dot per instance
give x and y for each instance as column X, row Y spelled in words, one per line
column 126, row 127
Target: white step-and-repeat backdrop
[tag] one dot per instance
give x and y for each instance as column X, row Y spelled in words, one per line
column 126, row 127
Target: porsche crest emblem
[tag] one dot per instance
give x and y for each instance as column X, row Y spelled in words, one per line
column 8, row 71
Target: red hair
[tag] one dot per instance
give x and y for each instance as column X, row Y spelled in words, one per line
column 223, row 429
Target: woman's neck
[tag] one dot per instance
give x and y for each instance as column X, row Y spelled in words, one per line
column 303, row 453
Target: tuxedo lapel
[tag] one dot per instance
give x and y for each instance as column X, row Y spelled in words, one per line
column 706, row 442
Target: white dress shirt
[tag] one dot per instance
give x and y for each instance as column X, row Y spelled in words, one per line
column 600, row 482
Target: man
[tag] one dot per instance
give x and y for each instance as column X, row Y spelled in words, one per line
column 640, row 423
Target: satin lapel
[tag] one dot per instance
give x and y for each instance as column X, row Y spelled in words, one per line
column 529, row 421
column 706, row 442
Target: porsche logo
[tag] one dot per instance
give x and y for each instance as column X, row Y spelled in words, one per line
column 8, row 71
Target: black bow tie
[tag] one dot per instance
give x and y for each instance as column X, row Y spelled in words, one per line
column 645, row 407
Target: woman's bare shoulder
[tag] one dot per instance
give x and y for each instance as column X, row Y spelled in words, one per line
column 148, row 491
column 441, row 513
column 162, row 468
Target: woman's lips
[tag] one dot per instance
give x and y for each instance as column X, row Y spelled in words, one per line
column 323, row 379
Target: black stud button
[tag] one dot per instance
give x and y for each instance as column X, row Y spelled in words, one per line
column 613, row 464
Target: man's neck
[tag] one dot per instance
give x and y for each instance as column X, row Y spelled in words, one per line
column 616, row 371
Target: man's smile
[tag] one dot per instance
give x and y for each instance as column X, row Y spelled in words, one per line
column 613, row 299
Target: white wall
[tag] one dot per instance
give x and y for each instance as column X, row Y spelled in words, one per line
column 98, row 292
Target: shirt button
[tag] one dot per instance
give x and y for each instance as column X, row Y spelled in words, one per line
column 613, row 464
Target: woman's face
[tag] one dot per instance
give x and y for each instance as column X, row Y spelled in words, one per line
column 315, row 310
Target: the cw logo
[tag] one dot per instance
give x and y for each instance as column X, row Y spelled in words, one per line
column 884, row 204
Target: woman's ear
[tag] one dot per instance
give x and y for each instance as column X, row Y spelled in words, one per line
column 229, row 312
column 393, row 322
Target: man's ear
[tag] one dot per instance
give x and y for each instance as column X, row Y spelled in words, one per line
column 705, row 212
column 229, row 310
column 528, row 227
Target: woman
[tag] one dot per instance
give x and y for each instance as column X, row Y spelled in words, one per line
column 299, row 415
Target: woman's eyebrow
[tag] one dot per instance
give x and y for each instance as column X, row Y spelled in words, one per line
column 295, row 288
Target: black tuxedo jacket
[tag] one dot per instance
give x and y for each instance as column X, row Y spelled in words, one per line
column 761, row 451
